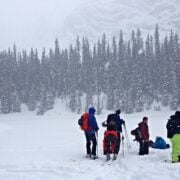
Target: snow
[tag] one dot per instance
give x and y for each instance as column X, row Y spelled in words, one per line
column 52, row 147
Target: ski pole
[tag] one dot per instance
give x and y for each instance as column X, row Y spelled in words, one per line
column 126, row 134
column 123, row 145
column 97, row 144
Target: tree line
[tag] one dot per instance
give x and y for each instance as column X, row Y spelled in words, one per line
column 132, row 74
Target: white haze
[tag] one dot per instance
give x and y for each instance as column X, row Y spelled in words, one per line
column 33, row 23
column 36, row 23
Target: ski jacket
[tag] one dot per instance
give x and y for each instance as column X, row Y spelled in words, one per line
column 144, row 130
column 92, row 121
column 173, row 126
column 119, row 122
column 113, row 122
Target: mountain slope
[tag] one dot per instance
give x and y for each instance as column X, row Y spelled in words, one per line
column 110, row 16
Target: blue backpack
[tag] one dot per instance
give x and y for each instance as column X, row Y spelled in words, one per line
column 160, row 143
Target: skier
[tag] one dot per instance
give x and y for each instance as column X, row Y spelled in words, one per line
column 173, row 132
column 144, row 139
column 90, row 134
column 112, row 135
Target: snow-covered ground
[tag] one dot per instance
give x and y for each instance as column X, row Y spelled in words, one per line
column 52, row 147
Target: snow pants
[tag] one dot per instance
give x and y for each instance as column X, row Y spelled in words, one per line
column 175, row 140
column 91, row 137
column 110, row 142
column 143, row 147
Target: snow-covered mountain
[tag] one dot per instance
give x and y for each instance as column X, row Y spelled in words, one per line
column 109, row 16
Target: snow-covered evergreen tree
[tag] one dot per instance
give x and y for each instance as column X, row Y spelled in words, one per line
column 132, row 75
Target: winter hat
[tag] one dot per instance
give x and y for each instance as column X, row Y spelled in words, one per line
column 92, row 110
column 118, row 111
column 177, row 114
column 172, row 117
column 145, row 118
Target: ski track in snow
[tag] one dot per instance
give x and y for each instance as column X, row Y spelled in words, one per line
column 48, row 148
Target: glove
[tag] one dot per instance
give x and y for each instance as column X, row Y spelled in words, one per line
column 123, row 122
column 122, row 137
column 104, row 124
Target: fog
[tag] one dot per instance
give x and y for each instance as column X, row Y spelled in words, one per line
column 33, row 23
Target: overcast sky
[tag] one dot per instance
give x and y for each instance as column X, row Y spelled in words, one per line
column 32, row 23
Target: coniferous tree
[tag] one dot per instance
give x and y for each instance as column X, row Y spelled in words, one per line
column 109, row 79
column 129, row 82
column 156, row 64
column 166, row 80
column 131, row 74
column 147, row 78
column 73, row 78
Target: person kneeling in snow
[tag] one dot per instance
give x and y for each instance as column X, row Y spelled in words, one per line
column 159, row 143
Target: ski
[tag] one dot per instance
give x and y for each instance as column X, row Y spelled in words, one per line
column 167, row 161
column 106, row 163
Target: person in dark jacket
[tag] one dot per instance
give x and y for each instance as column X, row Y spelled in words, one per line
column 119, row 123
column 110, row 137
column 114, row 122
column 144, row 139
column 173, row 132
column 91, row 134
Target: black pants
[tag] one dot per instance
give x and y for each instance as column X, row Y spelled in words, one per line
column 143, row 147
column 90, row 137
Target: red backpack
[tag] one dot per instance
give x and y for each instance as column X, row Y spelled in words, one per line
column 84, row 122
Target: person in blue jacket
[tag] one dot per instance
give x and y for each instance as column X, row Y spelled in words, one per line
column 159, row 143
column 91, row 134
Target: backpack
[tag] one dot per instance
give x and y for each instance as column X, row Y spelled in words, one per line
column 136, row 132
column 84, row 122
column 111, row 122
column 111, row 117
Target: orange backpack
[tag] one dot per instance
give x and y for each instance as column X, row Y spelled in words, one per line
column 84, row 122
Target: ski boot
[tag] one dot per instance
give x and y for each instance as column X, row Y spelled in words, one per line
column 94, row 157
column 88, row 156
column 108, row 157
column 114, row 156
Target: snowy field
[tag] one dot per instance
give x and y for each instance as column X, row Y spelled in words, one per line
column 52, row 147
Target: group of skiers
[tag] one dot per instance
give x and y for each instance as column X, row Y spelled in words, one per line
column 113, row 135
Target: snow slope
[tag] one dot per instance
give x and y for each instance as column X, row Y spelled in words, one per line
column 52, row 147
column 110, row 16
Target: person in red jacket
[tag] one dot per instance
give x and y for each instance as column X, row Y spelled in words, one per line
column 144, row 139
